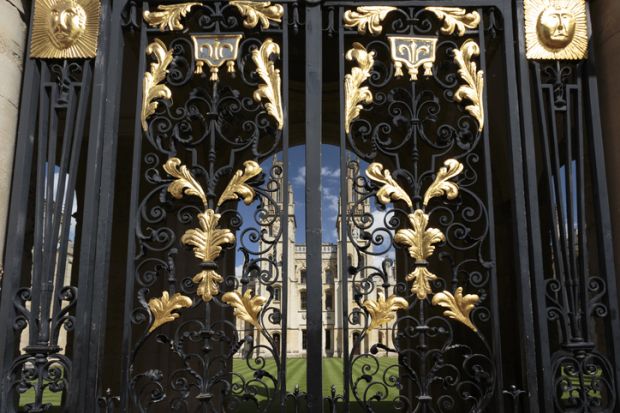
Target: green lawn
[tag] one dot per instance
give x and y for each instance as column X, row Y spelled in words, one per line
column 296, row 376
column 332, row 373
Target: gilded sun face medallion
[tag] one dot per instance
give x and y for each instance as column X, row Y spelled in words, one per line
column 65, row 29
column 556, row 29
column 67, row 23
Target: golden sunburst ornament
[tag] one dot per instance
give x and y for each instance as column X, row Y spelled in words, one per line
column 556, row 29
column 65, row 29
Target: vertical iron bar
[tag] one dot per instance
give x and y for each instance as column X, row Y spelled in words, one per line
column 601, row 202
column 17, row 220
column 524, row 284
column 48, row 199
column 486, row 139
column 344, row 201
column 38, row 247
column 314, row 120
column 583, row 267
column 285, row 212
column 131, row 243
column 96, row 227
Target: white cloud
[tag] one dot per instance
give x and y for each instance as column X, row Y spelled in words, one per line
column 330, row 201
column 300, row 178
column 328, row 173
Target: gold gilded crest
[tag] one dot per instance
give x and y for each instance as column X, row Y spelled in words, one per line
column 556, row 29
column 65, row 29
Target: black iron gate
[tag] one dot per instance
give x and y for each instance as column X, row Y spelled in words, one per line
column 325, row 205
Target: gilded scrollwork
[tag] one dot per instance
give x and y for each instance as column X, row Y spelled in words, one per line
column 442, row 185
column 246, row 306
column 256, row 12
column 209, row 239
column 455, row 19
column 163, row 309
column 270, row 90
column 420, row 239
column 367, row 18
column 207, row 242
column 382, row 311
column 473, row 88
column 168, row 16
column 355, row 93
column 458, row 306
column 238, row 188
column 152, row 86
column 184, row 182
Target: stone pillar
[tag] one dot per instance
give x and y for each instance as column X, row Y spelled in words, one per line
column 13, row 18
column 606, row 37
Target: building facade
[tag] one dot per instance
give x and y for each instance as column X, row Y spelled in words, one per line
column 332, row 270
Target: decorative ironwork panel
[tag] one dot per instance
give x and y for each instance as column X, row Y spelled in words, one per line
column 574, row 284
column 209, row 232
column 422, row 323
column 45, row 303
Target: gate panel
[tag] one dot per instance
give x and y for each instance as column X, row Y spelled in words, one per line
column 209, row 228
column 419, row 289
column 573, row 272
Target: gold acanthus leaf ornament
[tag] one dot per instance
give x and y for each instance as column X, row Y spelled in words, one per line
column 383, row 310
column 458, row 306
column 355, row 93
column 367, row 18
column 473, row 88
column 390, row 191
column 256, row 12
column 267, row 71
column 184, row 182
column 152, row 87
column 163, row 308
column 237, row 186
column 207, row 242
column 420, row 239
column 168, row 16
column 455, row 19
column 442, row 184
column 246, row 307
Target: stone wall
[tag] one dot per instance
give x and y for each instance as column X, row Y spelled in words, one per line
column 13, row 17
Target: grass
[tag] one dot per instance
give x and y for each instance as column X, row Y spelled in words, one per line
column 332, row 373
column 295, row 376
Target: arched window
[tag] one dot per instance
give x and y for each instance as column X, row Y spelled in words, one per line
column 303, row 300
column 303, row 276
column 329, row 276
column 356, row 343
column 276, row 340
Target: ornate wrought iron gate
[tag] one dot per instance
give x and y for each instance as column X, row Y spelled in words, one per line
column 152, row 263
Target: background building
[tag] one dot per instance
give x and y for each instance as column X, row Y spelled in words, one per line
column 331, row 267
